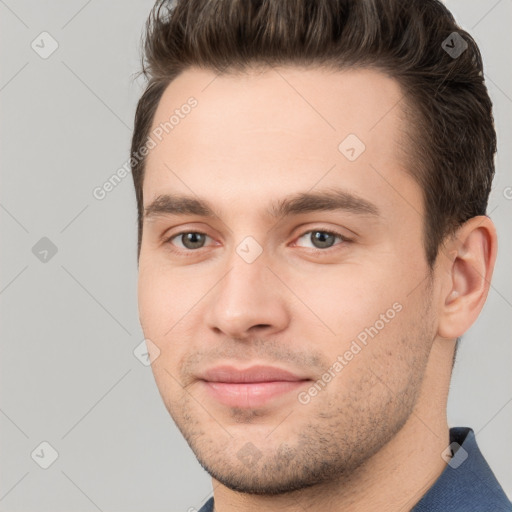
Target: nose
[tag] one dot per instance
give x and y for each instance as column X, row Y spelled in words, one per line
column 248, row 301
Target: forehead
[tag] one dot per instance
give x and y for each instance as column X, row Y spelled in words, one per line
column 271, row 131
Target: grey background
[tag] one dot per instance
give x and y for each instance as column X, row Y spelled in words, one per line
column 69, row 325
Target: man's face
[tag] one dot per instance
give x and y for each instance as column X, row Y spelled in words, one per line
column 348, row 315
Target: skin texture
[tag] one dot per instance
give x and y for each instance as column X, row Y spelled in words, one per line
column 372, row 438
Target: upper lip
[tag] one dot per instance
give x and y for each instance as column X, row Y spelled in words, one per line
column 253, row 374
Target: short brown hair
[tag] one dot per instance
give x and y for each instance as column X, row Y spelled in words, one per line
column 452, row 135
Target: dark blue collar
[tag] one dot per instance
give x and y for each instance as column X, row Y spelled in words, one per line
column 467, row 484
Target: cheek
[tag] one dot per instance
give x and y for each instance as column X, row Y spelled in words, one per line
column 170, row 305
column 347, row 299
column 159, row 313
column 376, row 326
column 383, row 364
column 156, row 300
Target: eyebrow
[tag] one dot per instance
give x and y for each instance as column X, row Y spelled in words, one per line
column 303, row 202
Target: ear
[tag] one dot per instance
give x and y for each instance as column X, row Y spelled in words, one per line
column 468, row 264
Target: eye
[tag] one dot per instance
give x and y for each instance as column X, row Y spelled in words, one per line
column 322, row 239
column 190, row 240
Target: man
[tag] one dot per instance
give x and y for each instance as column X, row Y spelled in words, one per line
column 312, row 245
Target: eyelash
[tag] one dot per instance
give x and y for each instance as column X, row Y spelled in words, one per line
column 191, row 252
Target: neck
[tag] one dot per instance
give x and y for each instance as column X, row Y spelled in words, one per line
column 395, row 478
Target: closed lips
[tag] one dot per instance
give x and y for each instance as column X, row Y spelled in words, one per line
column 253, row 374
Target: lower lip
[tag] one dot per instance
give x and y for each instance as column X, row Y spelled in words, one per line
column 250, row 395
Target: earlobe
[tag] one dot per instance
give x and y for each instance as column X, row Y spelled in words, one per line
column 468, row 266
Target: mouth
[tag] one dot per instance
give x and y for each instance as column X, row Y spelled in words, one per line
column 251, row 387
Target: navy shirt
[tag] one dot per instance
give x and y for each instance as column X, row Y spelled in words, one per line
column 467, row 484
